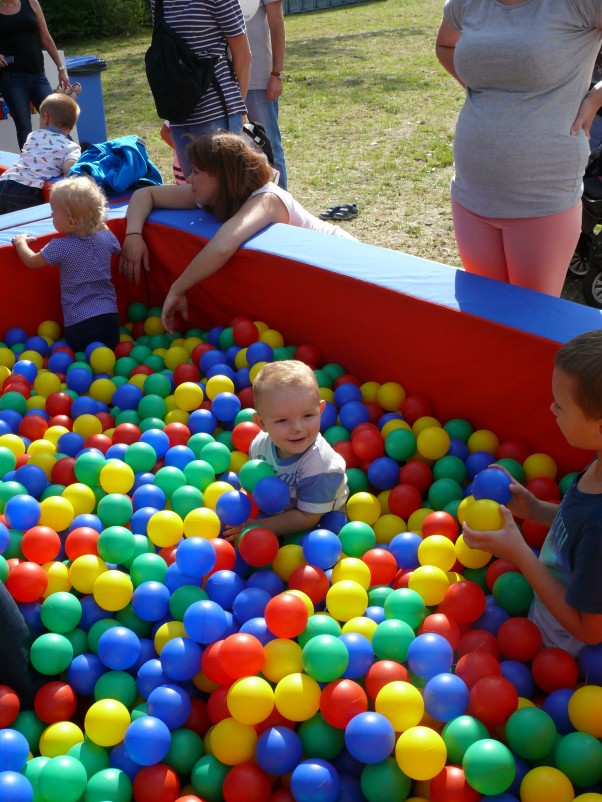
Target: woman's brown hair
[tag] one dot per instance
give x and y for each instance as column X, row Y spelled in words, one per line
column 239, row 169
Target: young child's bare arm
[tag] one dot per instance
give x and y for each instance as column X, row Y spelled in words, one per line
column 285, row 523
column 26, row 255
column 67, row 165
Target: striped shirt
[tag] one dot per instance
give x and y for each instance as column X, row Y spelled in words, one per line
column 205, row 25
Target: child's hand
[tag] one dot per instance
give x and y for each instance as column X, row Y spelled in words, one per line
column 23, row 237
column 173, row 304
column 506, row 543
column 523, row 502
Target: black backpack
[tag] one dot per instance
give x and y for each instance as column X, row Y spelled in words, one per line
column 177, row 77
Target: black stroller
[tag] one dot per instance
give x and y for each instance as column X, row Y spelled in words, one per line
column 587, row 259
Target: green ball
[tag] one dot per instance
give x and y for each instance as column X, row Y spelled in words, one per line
column 126, row 617
column 226, row 338
column 320, row 739
column 52, row 490
column 378, row 594
column 13, row 400
column 357, row 481
column 336, row 434
column 4, row 568
column 252, row 471
column 51, row 653
column 117, row 685
column 15, row 536
column 217, row 455
column 157, row 384
column 78, row 638
column 181, row 599
column 141, row 457
column 514, row 468
column 115, row 509
column 444, row 491
column 384, row 782
column 7, row 461
column 579, row 756
column 391, row 640
column 531, row 733
column 62, row 779
column 405, row 604
column 512, row 592
column 245, row 416
column 93, row 758
column 31, row 727
column 450, row 467
column 116, row 544
column 139, row 711
column 185, row 750
column 32, row 771
column 152, row 406
column 169, row 478
column 137, row 312
column 9, row 490
column 199, row 473
column 478, row 576
column 198, row 441
column 357, row 538
column 139, row 352
column 319, row 624
column 124, row 366
column 400, row 444
column 489, row 767
column 325, row 658
column 460, row 733
column 88, row 466
column 566, row 482
column 225, row 438
column 127, row 416
column 207, row 778
column 334, row 370
column 151, row 423
column 148, row 568
column 109, row 785
column 323, row 379
column 61, row 612
column 185, row 499
column 459, row 428
column 142, row 545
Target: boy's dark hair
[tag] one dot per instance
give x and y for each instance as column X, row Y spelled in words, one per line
column 62, row 110
column 581, row 359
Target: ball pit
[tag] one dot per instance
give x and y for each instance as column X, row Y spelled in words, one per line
column 324, row 667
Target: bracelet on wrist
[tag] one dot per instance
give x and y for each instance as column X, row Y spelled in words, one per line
column 61, row 68
column 277, row 74
column 130, row 233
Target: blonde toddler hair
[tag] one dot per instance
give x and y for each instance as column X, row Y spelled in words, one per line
column 62, row 110
column 84, row 201
column 282, row 375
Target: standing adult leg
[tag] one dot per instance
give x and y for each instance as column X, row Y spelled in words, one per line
column 182, row 134
column 480, row 243
column 263, row 111
column 18, row 89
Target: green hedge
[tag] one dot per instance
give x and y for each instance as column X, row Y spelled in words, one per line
column 95, row 18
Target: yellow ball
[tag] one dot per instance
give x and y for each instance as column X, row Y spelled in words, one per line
column 240, row 360
column 483, row 440
column 113, row 590
column 168, row 631
column 426, row 422
column 392, row 425
column 370, row 391
column 387, row 527
column 390, row 396
column 56, row 512
column 86, row 425
column 254, row 370
column 470, row 558
column 52, row 434
column 58, row 738
column 537, row 465
column 327, row 394
column 41, row 446
column 463, row 507
column 250, row 700
column 289, row 558
column 589, row 797
column 297, row 697
column 46, row 383
column 85, row 570
column 106, row 722
column 202, row 522
column 81, row 497
column 34, row 401
column 174, row 356
column 346, row 599
column 43, row 461
column 383, row 500
column 361, row 625
column 188, row 396
column 116, row 477
column 177, row 416
column 102, row 360
column 437, row 550
column 433, row 442
column 233, row 742
column 416, row 520
column 7, row 357
column 546, row 784
column 237, row 460
column 401, row 703
column 354, row 569
column 585, row 710
column 190, row 343
column 165, row 528
column 430, row 582
column 58, row 578
column 13, row 443
column 214, row 491
column 484, row 515
column 49, row 329
column 420, row 753
column 282, row 657
column 363, row 507
column 153, row 325
column 219, row 384
column 102, row 390
column 271, row 337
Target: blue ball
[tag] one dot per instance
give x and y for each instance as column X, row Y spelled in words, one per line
column 70, row 443
column 375, row 613
column 175, row 578
column 556, row 705
column 179, row 456
column 477, row 461
column 84, row 672
column 157, row 439
column 147, row 740
column 259, row 352
column 119, row 648
column 150, row 601
column 268, row 581
column 445, row 697
column 352, row 413
column 315, row 780
column 150, row 675
column 14, row 750
column 84, row 405
column 26, row 368
column 590, row 664
column 15, row 336
column 493, row 617
column 91, row 612
column 278, row 750
column 334, row 520
column 33, row 479
column 205, row 621
column 139, row 520
column 171, row 704
column 59, row 362
column 383, row 473
column 202, row 420
column 250, row 603
column 345, row 393
column 12, row 418
column 86, row 519
column 116, row 451
column 4, row 537
column 430, row 654
column 226, row 406
column 181, row 659
column 210, row 358
column 329, row 416
column 22, row 512
column 37, row 343
column 492, row 483
column 404, row 547
column 195, row 557
column 234, row 508
column 258, row 628
column 128, row 396
column 271, row 495
column 223, row 587
column 15, row 787
column 520, row 676
column 458, row 448
column 361, row 654
column 148, row 496
column 221, row 369
column 370, row 737
column 321, row 548
column 79, row 380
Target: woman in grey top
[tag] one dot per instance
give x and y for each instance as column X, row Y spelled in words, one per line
column 521, row 141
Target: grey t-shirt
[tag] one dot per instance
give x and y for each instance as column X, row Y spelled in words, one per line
column 527, row 67
column 261, row 47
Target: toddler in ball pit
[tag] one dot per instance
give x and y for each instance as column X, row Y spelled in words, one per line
column 567, row 605
column 288, row 404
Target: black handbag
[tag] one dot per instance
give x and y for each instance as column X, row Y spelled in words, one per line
column 177, row 77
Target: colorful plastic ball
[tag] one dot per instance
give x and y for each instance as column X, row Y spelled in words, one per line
column 370, row 737
column 430, row 582
column 321, row 548
column 147, row 740
column 106, row 722
column 460, row 733
column 554, row 668
column 233, row 742
column 258, row 547
column 22, row 512
column 420, row 753
column 429, row 654
column 325, row 658
column 401, row 703
column 271, row 495
column 297, row 697
column 286, row 615
column 241, row 655
column 119, row 648
column 363, row 507
column 14, row 750
column 489, row 766
column 492, row 483
column 493, row 700
column 158, row 783
column 233, row 508
column 519, row 639
column 315, row 779
column 250, row 700
column 278, row 750
column 546, row 784
column 248, row 781
column 346, row 599
column 171, row 704
column 451, row 784
column 51, row 653
column 585, row 710
column 113, row 590
column 437, row 550
column 62, row 778
column 445, row 697
column 27, row 582
column 512, row 592
column 531, row 733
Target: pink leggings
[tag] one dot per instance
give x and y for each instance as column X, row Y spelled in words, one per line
column 532, row 252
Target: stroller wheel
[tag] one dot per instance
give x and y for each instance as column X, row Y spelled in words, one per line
column 592, row 288
column 578, row 265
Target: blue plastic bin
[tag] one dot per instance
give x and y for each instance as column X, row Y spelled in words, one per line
column 91, row 126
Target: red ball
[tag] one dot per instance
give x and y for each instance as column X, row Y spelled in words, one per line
column 496, row 569
column 375, row 410
column 416, row 473
column 492, row 700
column 554, row 668
column 40, row 544
column 178, row 434
column 341, row 700
column 442, row 625
column 157, row 783
column 367, row 442
column 225, row 555
column 464, row 602
column 513, row 449
column 26, row 582
column 211, row 666
column 33, row 427
column 62, row 472
column 58, row 403
column 534, row 533
column 243, row 435
column 61, row 420
column 310, row 354
column 83, row 540
column 258, row 547
column 382, row 565
column 404, row 500
column 345, row 449
column 402, row 578
column 217, row 707
column 544, row 488
column 245, row 396
column 346, row 378
column 247, row 781
column 416, row 406
column 286, row 615
column 123, row 348
column 519, row 639
column 199, row 350
column 99, row 441
column 478, row 640
column 186, row 372
column 282, row 795
column 474, row 666
column 450, row 785
column 311, row 580
column 142, row 370
column 9, row 706
column 127, row 433
column 381, row 673
column 241, row 655
column 168, row 553
column 55, row 701
column 440, row 523
column 244, row 333
column 198, row 720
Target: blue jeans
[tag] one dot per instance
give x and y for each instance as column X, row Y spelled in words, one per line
column 263, row 111
column 15, row 196
column 182, row 134
column 18, row 89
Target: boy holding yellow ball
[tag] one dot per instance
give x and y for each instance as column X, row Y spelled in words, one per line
column 565, row 578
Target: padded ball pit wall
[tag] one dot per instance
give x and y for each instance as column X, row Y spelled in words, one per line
column 478, row 349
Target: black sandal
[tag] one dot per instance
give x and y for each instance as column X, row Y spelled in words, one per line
column 345, row 211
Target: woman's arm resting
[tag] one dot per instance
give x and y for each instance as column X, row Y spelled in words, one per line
column 445, row 47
